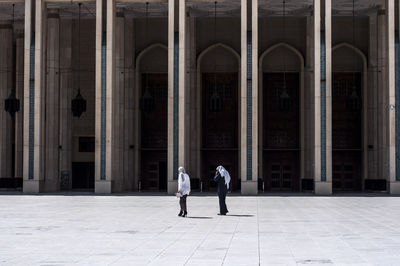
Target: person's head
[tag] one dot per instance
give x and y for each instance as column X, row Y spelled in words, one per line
column 181, row 170
column 219, row 168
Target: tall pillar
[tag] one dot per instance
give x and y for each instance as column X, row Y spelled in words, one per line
column 173, row 82
column 65, row 117
column 371, row 167
column 129, row 129
column 182, row 144
column 322, row 100
column 392, row 179
column 249, row 99
column 119, row 103
column 5, row 90
column 243, row 92
column 33, row 97
column 19, row 117
column 104, row 181
column 51, row 100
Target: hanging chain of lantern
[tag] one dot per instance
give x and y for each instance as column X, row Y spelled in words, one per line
column 78, row 104
column 12, row 104
column 284, row 97
column 353, row 101
column 147, row 102
column 215, row 101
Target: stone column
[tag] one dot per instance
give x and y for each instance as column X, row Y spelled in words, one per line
column 317, row 93
column 33, row 97
column 119, row 103
column 129, row 129
column 243, row 92
column 394, row 185
column 19, row 117
column 249, row 102
column 6, row 83
column 105, row 185
column 372, row 101
column 322, row 100
column 65, row 133
column 172, row 184
column 103, row 152
column 51, row 100
column 182, row 144
column 28, row 82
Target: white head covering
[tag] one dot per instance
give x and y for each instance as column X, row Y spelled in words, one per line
column 225, row 174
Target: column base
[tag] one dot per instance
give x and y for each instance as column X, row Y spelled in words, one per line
column 172, row 187
column 103, row 187
column 32, row 186
column 323, row 188
column 249, row 188
column 394, row 188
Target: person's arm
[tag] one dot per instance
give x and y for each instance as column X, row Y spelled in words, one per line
column 179, row 183
column 217, row 177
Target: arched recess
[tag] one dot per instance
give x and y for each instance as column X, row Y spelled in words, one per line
column 203, row 65
column 152, row 63
column 296, row 65
column 347, row 58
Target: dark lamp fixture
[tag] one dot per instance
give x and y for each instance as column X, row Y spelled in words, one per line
column 215, row 104
column 147, row 101
column 78, row 105
column 12, row 104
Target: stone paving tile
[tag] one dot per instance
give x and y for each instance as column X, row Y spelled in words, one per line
column 139, row 229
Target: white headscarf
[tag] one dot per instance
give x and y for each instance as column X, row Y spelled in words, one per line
column 225, row 174
column 183, row 181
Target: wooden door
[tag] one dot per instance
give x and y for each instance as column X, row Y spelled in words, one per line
column 219, row 127
column 154, row 133
column 346, row 131
column 281, row 131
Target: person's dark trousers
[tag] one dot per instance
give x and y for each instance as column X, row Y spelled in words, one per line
column 222, row 205
column 182, row 202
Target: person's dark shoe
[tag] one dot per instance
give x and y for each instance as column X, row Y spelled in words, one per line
column 221, row 213
column 184, row 214
column 180, row 213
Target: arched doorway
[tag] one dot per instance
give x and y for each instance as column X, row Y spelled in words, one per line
column 348, row 80
column 281, row 91
column 152, row 84
column 218, row 83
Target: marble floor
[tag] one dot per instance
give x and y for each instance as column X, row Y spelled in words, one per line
column 144, row 229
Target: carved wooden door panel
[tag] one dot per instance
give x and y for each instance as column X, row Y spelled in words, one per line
column 346, row 131
column 154, row 130
column 219, row 126
column 281, row 131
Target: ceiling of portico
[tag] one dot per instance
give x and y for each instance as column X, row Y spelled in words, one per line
column 202, row 8
column 6, row 12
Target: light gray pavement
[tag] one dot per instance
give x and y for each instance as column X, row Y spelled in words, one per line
column 141, row 230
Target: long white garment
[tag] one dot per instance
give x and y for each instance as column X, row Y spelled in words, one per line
column 225, row 174
column 183, row 182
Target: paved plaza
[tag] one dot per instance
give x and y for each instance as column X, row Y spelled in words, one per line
column 141, row 229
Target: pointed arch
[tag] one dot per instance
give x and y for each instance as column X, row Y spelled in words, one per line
column 302, row 106
column 364, row 126
column 214, row 46
column 146, row 50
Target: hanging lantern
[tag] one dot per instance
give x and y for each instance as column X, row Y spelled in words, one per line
column 353, row 102
column 78, row 105
column 215, row 103
column 284, row 100
column 147, row 101
column 11, row 104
